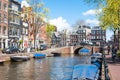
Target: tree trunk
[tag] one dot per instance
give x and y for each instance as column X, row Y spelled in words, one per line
column 119, row 39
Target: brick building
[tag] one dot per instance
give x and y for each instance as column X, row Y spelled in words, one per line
column 98, row 36
column 84, row 33
column 3, row 23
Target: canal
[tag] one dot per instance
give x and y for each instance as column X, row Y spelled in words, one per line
column 49, row 68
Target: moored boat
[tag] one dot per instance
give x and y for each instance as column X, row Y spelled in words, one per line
column 56, row 53
column 2, row 61
column 19, row 58
column 85, row 72
column 49, row 55
column 84, row 51
column 39, row 55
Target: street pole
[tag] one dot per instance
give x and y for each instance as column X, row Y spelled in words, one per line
column 118, row 26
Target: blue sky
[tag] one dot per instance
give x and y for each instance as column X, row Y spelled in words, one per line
column 68, row 9
column 65, row 13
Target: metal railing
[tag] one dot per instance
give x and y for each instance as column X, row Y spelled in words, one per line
column 106, row 70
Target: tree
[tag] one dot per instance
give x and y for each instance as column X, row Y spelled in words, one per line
column 50, row 29
column 39, row 14
column 109, row 17
column 96, row 3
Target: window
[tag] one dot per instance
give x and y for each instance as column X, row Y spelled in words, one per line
column 5, row 18
column 10, row 31
column 0, row 5
column 14, row 31
column 14, row 17
column 0, row 29
column 17, row 20
column 0, row 17
column 15, row 7
column 4, row 30
column 5, row 7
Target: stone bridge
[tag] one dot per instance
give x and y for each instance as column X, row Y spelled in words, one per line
column 70, row 49
column 63, row 50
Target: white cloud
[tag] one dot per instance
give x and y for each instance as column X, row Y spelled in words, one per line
column 92, row 12
column 94, row 22
column 60, row 23
column 24, row 3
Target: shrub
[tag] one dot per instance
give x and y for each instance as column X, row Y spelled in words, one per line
column 118, row 54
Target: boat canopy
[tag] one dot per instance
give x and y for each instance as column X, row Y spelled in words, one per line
column 84, row 50
column 86, row 72
column 39, row 55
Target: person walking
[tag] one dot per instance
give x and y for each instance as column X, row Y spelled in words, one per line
column 108, row 49
column 101, row 49
column 114, row 52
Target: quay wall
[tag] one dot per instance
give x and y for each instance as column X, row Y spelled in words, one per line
column 6, row 57
column 63, row 50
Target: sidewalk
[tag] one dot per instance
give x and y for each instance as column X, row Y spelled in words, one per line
column 114, row 68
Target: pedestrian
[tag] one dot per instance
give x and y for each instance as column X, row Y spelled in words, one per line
column 101, row 49
column 114, row 52
column 108, row 49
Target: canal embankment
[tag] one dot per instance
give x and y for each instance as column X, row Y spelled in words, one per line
column 6, row 57
column 114, row 68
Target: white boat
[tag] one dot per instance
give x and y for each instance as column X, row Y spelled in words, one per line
column 19, row 58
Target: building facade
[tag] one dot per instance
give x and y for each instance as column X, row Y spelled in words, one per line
column 41, row 37
column 74, row 40
column 84, row 34
column 55, row 40
column 63, row 40
column 3, row 24
column 98, row 36
column 26, row 24
column 14, row 29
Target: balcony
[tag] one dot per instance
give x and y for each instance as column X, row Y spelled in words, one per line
column 14, row 36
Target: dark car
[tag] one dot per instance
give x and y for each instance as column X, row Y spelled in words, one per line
column 86, row 43
column 10, row 50
column 43, row 47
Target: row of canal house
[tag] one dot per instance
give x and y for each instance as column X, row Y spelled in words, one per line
column 82, row 34
column 87, row 34
column 16, row 28
column 59, row 39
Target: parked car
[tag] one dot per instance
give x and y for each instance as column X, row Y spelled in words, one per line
column 10, row 50
column 86, row 43
column 43, row 47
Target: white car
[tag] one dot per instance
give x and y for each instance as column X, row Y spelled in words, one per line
column 97, row 55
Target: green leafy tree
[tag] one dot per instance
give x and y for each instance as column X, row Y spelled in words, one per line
column 50, row 29
column 110, row 15
column 96, row 3
column 109, row 18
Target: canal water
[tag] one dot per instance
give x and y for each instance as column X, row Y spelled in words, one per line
column 50, row 68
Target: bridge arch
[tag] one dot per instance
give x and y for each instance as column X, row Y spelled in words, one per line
column 76, row 49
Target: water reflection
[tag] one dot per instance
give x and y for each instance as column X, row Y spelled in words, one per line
column 51, row 68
